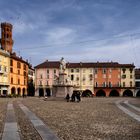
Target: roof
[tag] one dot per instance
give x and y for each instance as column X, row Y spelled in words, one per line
column 48, row 64
column 13, row 55
column 56, row 64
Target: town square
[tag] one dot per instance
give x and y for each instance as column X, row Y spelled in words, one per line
column 69, row 70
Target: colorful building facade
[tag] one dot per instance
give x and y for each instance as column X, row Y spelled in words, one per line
column 18, row 68
column 137, row 82
column 98, row 79
column 18, row 75
column 4, row 72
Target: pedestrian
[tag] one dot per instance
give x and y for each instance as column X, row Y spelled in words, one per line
column 78, row 97
column 67, row 97
column 73, row 97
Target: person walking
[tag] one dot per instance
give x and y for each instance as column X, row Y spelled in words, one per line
column 67, row 97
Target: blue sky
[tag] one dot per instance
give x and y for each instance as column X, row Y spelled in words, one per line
column 78, row 30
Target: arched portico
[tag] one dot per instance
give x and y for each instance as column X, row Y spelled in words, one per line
column 19, row 91
column 41, row 92
column 114, row 93
column 48, row 91
column 87, row 93
column 13, row 90
column 100, row 93
column 127, row 93
column 138, row 93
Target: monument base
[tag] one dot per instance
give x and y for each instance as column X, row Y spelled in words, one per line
column 62, row 90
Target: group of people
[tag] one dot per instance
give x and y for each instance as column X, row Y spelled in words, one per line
column 74, row 97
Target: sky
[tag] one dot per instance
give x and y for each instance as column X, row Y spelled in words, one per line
column 78, row 30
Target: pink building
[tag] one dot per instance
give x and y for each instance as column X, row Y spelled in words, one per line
column 45, row 74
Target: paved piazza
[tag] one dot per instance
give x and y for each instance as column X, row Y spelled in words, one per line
column 91, row 119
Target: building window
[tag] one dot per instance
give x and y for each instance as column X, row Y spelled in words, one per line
column 54, row 71
column 11, row 70
column 123, row 76
column 19, row 72
column 118, row 84
column 110, row 84
column 5, row 69
column 18, row 65
column 77, row 78
column 72, row 70
column 104, row 71
column 24, row 73
column 24, row 67
column 24, row 81
column 123, row 70
column 131, row 70
column 130, row 83
column 95, row 71
column 110, row 70
column 96, row 84
column 41, row 76
column 0, row 68
column 72, row 77
column 48, row 71
column 84, row 78
column 90, row 77
column 123, row 84
column 11, row 80
column 104, row 84
column 131, row 76
column 11, row 62
column 77, row 70
column 19, row 81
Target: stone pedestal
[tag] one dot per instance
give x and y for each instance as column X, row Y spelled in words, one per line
column 62, row 90
column 62, row 86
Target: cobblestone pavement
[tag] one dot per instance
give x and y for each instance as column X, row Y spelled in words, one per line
column 3, row 106
column 91, row 119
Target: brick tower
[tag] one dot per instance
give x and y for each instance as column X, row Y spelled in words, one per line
column 6, row 40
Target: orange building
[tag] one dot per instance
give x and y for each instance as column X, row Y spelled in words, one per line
column 107, row 79
column 18, row 67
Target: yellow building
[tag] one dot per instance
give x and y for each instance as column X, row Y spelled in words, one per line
column 82, row 77
column 4, row 72
column 127, row 80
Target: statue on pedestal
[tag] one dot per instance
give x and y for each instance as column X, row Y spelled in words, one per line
column 62, row 65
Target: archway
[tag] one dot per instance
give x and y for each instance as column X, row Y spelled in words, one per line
column 13, row 90
column 19, row 91
column 87, row 93
column 23, row 91
column 48, row 92
column 114, row 93
column 41, row 92
column 128, row 93
column 138, row 94
column 100, row 93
